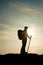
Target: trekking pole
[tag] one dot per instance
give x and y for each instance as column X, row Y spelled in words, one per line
column 29, row 44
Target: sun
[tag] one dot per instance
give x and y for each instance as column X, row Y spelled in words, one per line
column 29, row 32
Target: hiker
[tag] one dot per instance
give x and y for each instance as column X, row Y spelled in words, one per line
column 24, row 40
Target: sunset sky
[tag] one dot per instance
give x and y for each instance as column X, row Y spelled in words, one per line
column 14, row 15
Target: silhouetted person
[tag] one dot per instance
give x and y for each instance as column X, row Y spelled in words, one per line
column 24, row 40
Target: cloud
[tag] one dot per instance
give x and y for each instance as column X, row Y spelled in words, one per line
column 17, row 12
column 27, row 9
column 5, row 25
column 8, row 34
column 8, row 27
column 31, row 11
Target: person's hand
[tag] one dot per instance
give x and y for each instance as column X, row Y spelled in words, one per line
column 30, row 37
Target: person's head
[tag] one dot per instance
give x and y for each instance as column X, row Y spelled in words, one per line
column 26, row 27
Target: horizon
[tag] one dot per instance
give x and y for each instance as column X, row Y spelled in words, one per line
column 14, row 15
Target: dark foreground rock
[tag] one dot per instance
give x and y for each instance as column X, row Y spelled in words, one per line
column 21, row 59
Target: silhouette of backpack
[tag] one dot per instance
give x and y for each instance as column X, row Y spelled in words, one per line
column 20, row 35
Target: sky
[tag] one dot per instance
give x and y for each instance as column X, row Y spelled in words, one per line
column 14, row 15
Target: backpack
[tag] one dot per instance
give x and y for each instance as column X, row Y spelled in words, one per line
column 20, row 35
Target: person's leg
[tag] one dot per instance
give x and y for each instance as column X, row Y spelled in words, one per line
column 22, row 49
column 23, row 46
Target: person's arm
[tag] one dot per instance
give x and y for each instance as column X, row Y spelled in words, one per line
column 28, row 37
